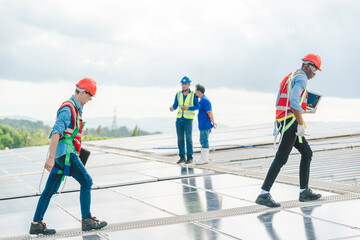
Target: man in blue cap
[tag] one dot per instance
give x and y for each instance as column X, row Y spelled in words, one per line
column 188, row 103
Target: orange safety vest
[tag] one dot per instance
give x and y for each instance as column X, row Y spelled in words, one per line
column 71, row 137
column 76, row 119
column 284, row 99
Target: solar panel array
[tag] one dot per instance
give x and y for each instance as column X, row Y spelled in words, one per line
column 141, row 192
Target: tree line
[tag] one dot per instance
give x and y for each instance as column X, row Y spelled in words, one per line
column 17, row 133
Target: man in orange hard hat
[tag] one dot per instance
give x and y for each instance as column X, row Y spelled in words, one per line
column 64, row 150
column 291, row 103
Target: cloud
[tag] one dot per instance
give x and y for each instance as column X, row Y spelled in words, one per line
column 248, row 45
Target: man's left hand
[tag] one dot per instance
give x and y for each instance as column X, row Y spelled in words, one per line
column 300, row 130
column 184, row 108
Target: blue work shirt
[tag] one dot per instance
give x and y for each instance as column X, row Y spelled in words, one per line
column 203, row 117
column 193, row 108
column 298, row 85
column 63, row 121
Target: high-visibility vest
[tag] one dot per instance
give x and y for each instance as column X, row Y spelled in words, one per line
column 189, row 102
column 71, row 137
column 284, row 99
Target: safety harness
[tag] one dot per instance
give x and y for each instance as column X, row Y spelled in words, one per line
column 69, row 141
column 283, row 126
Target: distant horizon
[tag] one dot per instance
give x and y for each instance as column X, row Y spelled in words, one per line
column 231, row 107
column 155, row 127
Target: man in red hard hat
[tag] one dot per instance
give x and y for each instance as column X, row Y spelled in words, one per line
column 63, row 158
column 291, row 103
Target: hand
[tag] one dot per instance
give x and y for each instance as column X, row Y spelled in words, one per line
column 49, row 164
column 312, row 110
column 214, row 124
column 300, row 130
column 184, row 108
column 171, row 109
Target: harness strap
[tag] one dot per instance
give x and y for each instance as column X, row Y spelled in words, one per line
column 287, row 126
column 68, row 140
column 57, row 170
column 292, row 115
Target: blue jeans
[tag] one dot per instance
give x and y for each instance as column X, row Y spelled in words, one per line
column 184, row 129
column 204, row 138
column 53, row 183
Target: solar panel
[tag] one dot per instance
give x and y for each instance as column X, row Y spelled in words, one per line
column 143, row 194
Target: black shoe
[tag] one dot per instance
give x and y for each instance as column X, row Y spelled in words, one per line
column 182, row 160
column 189, row 160
column 92, row 223
column 40, row 228
column 308, row 195
column 266, row 200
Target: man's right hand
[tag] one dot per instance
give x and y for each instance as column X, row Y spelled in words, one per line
column 49, row 164
column 171, row 109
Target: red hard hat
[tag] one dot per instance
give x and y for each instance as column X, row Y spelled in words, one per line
column 88, row 84
column 315, row 59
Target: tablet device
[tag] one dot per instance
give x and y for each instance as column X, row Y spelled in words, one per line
column 313, row 102
column 84, row 155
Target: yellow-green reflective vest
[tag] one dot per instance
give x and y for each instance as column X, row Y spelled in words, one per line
column 189, row 102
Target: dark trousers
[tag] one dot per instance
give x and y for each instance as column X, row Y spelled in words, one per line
column 289, row 141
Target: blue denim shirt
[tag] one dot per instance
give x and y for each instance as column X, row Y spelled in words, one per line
column 63, row 121
column 193, row 108
column 298, row 86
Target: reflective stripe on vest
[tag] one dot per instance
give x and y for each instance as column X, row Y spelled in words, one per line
column 189, row 102
column 283, row 103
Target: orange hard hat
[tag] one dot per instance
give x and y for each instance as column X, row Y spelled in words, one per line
column 315, row 59
column 88, row 84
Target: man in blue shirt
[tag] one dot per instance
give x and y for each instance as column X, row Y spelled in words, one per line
column 187, row 103
column 206, row 123
column 68, row 121
column 291, row 124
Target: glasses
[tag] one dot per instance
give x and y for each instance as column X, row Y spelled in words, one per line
column 89, row 93
column 313, row 68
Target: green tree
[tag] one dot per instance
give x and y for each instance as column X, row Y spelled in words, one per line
column 9, row 137
column 24, row 133
column 136, row 131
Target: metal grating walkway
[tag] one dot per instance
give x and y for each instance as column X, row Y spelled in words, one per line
column 189, row 217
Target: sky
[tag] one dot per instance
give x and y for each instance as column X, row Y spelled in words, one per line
column 238, row 49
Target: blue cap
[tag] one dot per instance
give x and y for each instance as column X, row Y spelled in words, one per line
column 185, row 80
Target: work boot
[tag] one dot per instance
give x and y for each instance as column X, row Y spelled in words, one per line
column 40, row 228
column 189, row 160
column 308, row 195
column 182, row 160
column 204, row 157
column 92, row 223
column 266, row 200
